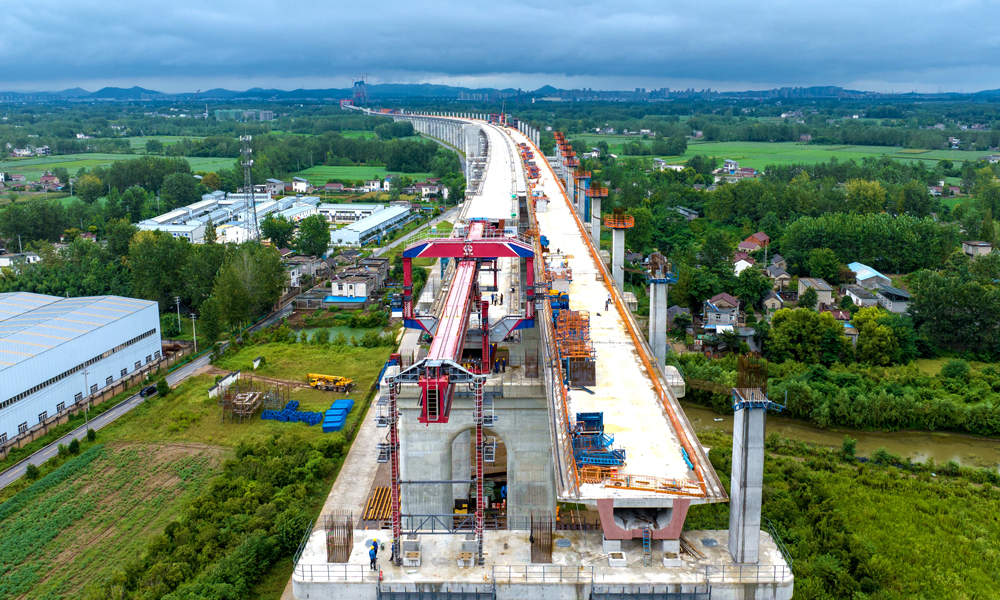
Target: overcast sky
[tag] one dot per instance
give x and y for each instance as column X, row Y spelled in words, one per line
column 185, row 45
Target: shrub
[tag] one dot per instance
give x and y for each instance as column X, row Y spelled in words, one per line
column 162, row 387
column 955, row 369
column 91, row 435
column 32, row 472
column 63, row 450
column 74, row 446
column 848, row 446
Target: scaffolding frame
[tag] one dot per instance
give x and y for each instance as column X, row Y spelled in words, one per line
column 247, row 397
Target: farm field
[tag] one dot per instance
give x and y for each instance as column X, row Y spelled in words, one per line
column 760, row 154
column 320, row 174
column 96, row 512
column 32, row 168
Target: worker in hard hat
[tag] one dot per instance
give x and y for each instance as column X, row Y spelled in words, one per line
column 373, row 555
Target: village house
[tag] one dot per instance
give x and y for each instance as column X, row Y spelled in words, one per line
column 780, row 276
column 741, row 262
column 823, row 290
column 754, row 242
column 868, row 277
column 773, row 302
column 275, row 187
column 859, row 296
column 332, row 186
column 720, row 310
column 892, row 299
column 779, row 261
column 974, row 249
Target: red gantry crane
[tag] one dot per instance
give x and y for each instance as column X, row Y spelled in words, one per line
column 441, row 371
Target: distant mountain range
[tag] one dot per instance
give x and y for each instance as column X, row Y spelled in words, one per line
column 427, row 90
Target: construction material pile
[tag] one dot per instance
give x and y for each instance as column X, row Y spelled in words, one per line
column 291, row 414
column 337, row 415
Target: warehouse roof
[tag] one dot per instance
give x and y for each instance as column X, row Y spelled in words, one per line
column 30, row 324
column 377, row 219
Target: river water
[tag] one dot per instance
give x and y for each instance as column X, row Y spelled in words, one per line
column 963, row 449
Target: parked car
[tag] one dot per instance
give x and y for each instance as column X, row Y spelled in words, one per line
column 147, row 391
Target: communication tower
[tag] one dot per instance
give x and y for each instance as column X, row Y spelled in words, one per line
column 247, row 163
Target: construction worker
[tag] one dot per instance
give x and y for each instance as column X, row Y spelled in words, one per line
column 501, row 299
column 503, row 364
column 373, row 554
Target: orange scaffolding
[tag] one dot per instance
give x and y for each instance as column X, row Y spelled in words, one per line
column 617, row 221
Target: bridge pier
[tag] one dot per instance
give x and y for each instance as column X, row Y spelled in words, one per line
column 618, row 257
column 595, row 220
column 658, row 318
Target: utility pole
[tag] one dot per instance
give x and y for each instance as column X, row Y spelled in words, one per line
column 86, row 407
column 177, row 300
column 194, row 332
column 20, row 248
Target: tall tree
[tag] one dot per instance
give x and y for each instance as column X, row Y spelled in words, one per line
column 179, row 189
column 278, row 229
column 314, row 236
column 250, row 281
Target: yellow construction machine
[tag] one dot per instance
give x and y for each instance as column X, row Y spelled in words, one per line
column 330, row 382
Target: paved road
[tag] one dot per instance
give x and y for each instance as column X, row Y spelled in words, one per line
column 174, row 378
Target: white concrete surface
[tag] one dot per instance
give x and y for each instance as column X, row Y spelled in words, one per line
column 632, row 409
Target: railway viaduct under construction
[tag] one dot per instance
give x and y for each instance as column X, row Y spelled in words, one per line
column 536, row 448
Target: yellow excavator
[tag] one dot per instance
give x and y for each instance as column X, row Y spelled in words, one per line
column 330, row 382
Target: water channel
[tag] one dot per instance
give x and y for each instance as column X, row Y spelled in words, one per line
column 918, row 445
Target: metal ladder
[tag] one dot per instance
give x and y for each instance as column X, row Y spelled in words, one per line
column 647, row 546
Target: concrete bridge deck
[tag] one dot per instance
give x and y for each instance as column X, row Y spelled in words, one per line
column 634, row 411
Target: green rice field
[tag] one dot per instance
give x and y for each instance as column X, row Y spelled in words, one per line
column 319, row 175
column 760, row 154
column 32, row 168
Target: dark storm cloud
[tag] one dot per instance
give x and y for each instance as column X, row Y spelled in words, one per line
column 180, row 42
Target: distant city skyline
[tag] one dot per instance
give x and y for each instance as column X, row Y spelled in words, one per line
column 183, row 45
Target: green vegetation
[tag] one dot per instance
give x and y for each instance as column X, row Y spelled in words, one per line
column 94, row 513
column 866, row 397
column 760, row 155
column 33, row 168
column 319, row 175
column 874, row 528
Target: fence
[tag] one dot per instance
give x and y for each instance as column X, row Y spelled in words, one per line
column 621, row 592
column 507, row 574
column 334, row 573
column 95, row 399
column 743, row 573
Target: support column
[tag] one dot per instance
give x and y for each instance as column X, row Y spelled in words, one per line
column 618, row 257
column 571, row 188
column 595, row 221
column 747, row 479
column 658, row 319
column 461, row 465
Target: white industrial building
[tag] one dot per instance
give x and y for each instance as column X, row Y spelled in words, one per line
column 348, row 213
column 229, row 213
column 52, row 349
column 362, row 231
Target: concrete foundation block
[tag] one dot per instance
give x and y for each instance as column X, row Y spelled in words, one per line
column 411, row 559
column 672, row 559
column 466, row 559
column 611, row 546
column 411, row 543
column 672, row 546
column 617, row 559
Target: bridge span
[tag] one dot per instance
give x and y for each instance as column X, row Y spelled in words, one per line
column 523, row 417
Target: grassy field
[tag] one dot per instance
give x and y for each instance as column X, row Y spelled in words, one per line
column 139, row 143
column 32, row 168
column 319, row 175
column 760, row 154
column 91, row 514
column 96, row 512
